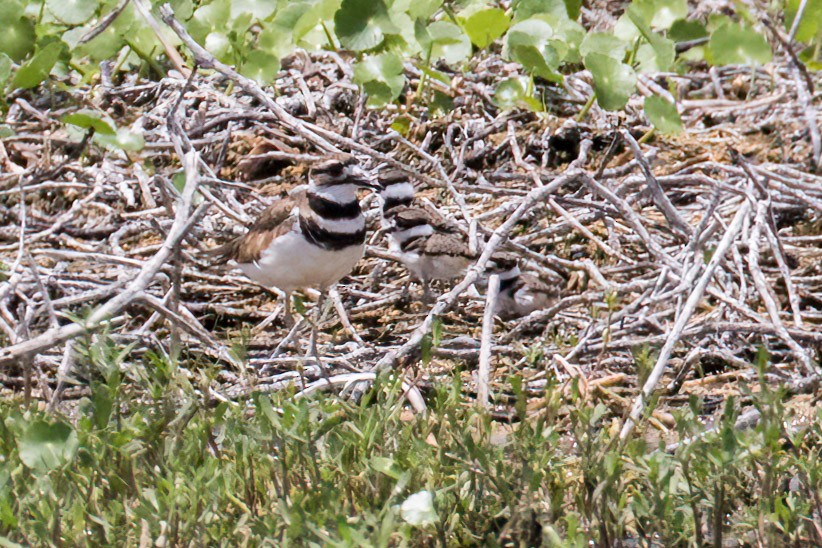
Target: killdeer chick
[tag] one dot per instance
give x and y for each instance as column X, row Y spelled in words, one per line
column 311, row 239
column 430, row 246
column 520, row 293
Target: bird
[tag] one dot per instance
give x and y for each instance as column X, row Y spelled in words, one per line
column 429, row 245
column 520, row 293
column 312, row 238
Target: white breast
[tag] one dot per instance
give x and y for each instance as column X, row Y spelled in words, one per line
column 291, row 262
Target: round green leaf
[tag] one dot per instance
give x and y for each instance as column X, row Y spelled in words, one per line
column 87, row 119
column 663, row 115
column 524, row 9
column 656, row 57
column 124, row 139
column 614, row 82
column 47, row 446
column 38, row 67
column 381, row 77
column 483, row 27
column 448, row 42
column 603, row 43
column 683, row 31
column 363, row 24
column 72, row 12
column 661, row 14
column 219, row 46
column 209, row 18
column 659, row 52
column 513, row 93
column 18, row 37
column 528, row 44
column 258, row 9
column 738, row 44
column 260, row 66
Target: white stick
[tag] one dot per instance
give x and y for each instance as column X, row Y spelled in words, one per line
column 484, row 374
column 687, row 311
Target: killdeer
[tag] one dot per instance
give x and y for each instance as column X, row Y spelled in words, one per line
column 430, row 246
column 311, row 239
column 520, row 293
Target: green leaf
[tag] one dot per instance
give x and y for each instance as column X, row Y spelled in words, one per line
column 684, row 31
column 219, row 46
column 483, row 27
column 402, row 125
column 652, row 60
column 448, row 42
column 38, row 67
column 425, row 349
column 209, row 18
column 6, row 131
column 363, row 24
column 812, row 58
column 514, row 93
column 528, row 44
column 385, row 465
column 441, row 103
column 603, row 43
column 260, row 66
column 423, row 9
column 524, row 9
column 660, row 55
column 18, row 36
column 663, row 115
column 810, row 26
column 614, row 82
column 738, row 44
column 381, row 78
column 257, row 9
column 89, row 119
column 660, row 14
column 72, row 12
column 5, row 68
column 124, row 139
column 46, row 446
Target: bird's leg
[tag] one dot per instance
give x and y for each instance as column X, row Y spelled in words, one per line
column 322, row 311
column 288, row 318
column 427, row 296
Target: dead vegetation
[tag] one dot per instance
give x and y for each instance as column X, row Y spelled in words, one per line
column 678, row 257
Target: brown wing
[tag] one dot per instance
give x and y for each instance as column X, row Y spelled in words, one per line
column 439, row 221
column 440, row 243
column 273, row 221
column 537, row 285
column 410, row 216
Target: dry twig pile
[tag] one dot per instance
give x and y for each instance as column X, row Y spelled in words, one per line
column 686, row 253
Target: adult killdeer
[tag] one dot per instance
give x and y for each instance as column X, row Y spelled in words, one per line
column 520, row 293
column 430, row 246
column 312, row 238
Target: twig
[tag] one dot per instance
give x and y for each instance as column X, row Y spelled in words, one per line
column 682, row 320
column 657, row 194
column 176, row 233
column 484, row 372
column 766, row 294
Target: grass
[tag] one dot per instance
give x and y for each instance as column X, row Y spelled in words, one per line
column 148, row 459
